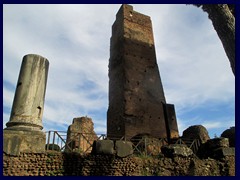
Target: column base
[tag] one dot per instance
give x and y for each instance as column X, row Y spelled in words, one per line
column 16, row 142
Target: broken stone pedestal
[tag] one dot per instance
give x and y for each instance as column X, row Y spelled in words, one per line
column 15, row 142
column 24, row 129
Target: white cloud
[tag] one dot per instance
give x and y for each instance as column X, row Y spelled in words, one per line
column 214, row 125
column 76, row 40
column 218, row 124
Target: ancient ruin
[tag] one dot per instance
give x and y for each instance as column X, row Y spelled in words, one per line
column 137, row 104
column 80, row 135
column 25, row 124
column 196, row 132
column 230, row 134
column 142, row 133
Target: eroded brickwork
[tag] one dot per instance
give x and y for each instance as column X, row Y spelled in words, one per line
column 80, row 135
column 73, row 164
column 136, row 96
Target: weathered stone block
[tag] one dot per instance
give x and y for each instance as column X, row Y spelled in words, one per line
column 196, row 132
column 103, row 147
column 176, row 150
column 223, row 152
column 124, row 148
column 15, row 142
column 230, row 134
column 215, row 143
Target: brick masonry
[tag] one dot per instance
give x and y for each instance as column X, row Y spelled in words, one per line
column 73, row 164
column 81, row 134
column 136, row 97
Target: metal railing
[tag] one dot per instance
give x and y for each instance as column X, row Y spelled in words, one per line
column 76, row 142
column 56, row 140
column 83, row 142
column 193, row 144
column 148, row 146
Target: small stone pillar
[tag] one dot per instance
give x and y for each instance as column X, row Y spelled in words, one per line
column 80, row 135
column 24, row 129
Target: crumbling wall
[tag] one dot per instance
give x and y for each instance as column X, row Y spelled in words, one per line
column 188, row 166
column 73, row 164
column 80, row 135
column 69, row 164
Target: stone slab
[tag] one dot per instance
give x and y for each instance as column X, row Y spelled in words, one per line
column 176, row 150
column 223, row 152
column 103, row 147
column 16, row 142
column 124, row 148
column 217, row 143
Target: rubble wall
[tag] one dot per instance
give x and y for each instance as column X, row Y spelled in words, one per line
column 73, row 164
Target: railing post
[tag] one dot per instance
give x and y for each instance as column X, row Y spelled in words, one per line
column 48, row 141
column 57, row 140
column 53, row 139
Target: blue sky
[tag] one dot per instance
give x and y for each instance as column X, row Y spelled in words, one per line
column 194, row 69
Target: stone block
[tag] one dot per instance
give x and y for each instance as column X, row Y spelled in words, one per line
column 196, row 132
column 230, row 134
column 223, row 152
column 103, row 147
column 173, row 150
column 15, row 142
column 217, row 143
column 124, row 148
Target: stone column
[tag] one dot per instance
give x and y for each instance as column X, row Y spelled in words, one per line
column 23, row 132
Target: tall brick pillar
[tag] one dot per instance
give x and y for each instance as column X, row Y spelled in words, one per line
column 137, row 104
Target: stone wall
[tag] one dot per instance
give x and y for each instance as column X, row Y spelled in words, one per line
column 73, row 164
column 69, row 164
